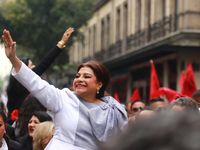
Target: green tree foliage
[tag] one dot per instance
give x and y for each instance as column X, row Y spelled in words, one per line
column 39, row 24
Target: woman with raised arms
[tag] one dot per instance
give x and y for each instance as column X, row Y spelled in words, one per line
column 83, row 118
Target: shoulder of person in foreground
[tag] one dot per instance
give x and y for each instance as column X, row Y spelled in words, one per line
column 163, row 131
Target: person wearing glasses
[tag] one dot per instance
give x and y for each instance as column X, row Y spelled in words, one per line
column 137, row 105
column 158, row 104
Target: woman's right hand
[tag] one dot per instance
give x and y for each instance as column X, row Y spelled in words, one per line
column 10, row 50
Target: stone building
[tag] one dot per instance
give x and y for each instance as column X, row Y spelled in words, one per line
column 125, row 34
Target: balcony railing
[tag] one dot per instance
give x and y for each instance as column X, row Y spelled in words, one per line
column 100, row 3
column 158, row 29
column 99, row 56
column 115, row 49
column 136, row 39
column 87, row 59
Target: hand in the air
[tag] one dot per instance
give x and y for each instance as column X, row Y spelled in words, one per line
column 10, row 49
column 67, row 34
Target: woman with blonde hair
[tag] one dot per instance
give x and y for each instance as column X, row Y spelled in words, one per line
column 42, row 135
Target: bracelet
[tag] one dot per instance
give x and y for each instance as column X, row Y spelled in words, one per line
column 61, row 43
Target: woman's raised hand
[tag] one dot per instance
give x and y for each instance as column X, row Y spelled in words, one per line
column 10, row 50
column 9, row 44
column 65, row 37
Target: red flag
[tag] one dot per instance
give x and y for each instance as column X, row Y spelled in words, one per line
column 169, row 93
column 135, row 95
column 116, row 97
column 189, row 84
column 154, row 83
column 182, row 79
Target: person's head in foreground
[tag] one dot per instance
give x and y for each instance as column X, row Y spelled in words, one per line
column 42, row 135
column 165, row 131
column 145, row 113
column 184, row 104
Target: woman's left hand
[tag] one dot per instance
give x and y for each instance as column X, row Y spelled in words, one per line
column 65, row 37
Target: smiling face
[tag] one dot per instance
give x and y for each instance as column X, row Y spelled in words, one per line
column 2, row 127
column 33, row 122
column 85, row 84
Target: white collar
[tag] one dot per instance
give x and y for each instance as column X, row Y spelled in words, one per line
column 4, row 145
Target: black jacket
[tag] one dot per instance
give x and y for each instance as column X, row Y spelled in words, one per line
column 26, row 142
column 15, row 145
column 17, row 92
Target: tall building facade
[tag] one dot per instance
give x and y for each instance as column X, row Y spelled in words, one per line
column 125, row 35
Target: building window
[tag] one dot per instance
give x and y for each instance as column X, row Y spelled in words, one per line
column 89, row 43
column 195, row 67
column 102, row 34
column 138, row 15
column 182, row 65
column 125, row 19
column 148, row 16
column 94, row 38
column 164, row 7
column 108, row 32
column 80, row 50
column 172, row 73
column 176, row 14
column 118, row 25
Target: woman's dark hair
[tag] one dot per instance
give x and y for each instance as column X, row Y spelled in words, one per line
column 26, row 111
column 25, row 60
column 10, row 90
column 101, row 72
column 42, row 116
column 2, row 114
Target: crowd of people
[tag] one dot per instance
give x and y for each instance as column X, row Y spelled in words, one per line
column 85, row 117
